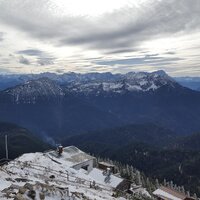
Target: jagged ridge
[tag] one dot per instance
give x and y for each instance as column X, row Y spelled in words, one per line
column 34, row 89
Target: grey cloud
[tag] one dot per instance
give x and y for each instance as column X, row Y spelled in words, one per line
column 38, row 21
column 158, row 19
column 31, row 52
column 163, row 63
column 153, row 59
column 2, row 36
column 119, row 51
column 60, row 71
column 45, row 61
column 24, row 60
column 43, row 58
column 4, row 70
column 123, row 28
column 4, row 60
column 170, row 53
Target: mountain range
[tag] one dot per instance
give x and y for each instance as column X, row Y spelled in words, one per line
column 190, row 82
column 81, row 103
column 10, row 80
column 143, row 119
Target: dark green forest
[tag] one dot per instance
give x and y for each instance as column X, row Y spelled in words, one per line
column 20, row 141
column 156, row 151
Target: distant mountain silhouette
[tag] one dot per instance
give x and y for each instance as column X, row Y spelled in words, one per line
column 88, row 102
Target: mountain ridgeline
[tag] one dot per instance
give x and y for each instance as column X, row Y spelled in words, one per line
column 143, row 119
column 68, row 104
column 190, row 82
column 20, row 141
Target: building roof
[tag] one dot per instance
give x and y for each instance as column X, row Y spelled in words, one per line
column 171, row 194
column 97, row 175
column 72, row 155
column 106, row 164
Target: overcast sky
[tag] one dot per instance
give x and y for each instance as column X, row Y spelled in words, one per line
column 100, row 35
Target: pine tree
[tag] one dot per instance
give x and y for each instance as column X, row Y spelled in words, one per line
column 183, row 189
column 138, row 178
column 195, row 196
column 165, row 182
column 157, row 183
column 171, row 185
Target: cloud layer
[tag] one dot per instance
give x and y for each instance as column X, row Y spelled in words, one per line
column 122, row 38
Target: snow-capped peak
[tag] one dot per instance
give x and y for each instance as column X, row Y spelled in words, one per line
column 160, row 73
column 91, row 83
column 32, row 90
column 130, row 82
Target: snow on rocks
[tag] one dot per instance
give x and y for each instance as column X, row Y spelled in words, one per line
column 130, row 82
column 36, row 176
column 48, row 87
column 96, row 174
column 31, row 91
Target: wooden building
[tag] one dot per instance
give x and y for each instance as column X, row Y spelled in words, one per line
column 165, row 193
column 104, row 166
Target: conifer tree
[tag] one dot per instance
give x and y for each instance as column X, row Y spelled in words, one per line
column 157, row 183
column 165, row 182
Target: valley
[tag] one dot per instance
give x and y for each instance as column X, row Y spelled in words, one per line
column 147, row 120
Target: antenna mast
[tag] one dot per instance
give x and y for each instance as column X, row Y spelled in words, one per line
column 6, row 146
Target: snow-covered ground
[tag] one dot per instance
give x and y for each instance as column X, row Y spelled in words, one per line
column 39, row 174
column 164, row 194
column 97, row 175
column 43, row 176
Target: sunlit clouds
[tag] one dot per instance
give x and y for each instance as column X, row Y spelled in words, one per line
column 97, row 36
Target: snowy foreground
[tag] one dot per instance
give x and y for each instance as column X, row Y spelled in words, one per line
column 38, row 176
